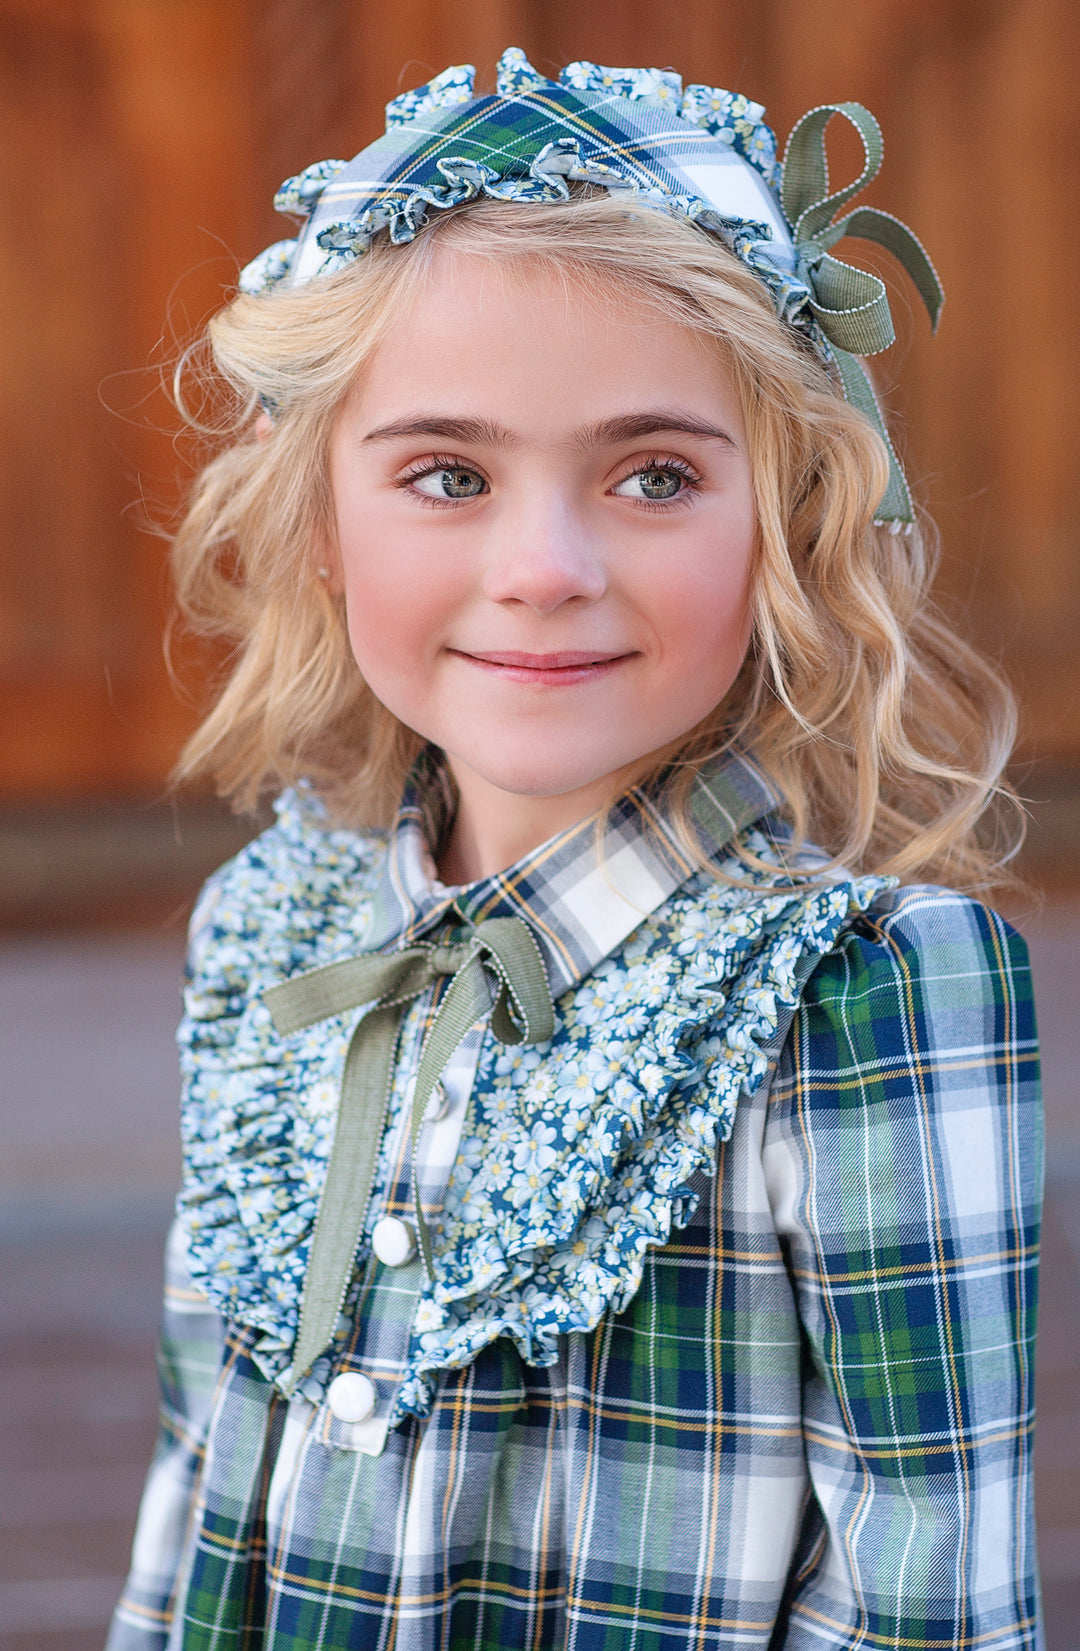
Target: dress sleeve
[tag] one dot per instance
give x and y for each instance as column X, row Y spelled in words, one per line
column 189, row 1364
column 903, row 1157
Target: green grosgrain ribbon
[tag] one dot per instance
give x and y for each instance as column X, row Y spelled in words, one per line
column 850, row 305
column 500, row 948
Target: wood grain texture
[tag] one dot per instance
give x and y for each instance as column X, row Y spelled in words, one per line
column 146, row 138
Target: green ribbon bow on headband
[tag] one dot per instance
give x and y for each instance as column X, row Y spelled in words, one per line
column 851, row 306
column 499, row 951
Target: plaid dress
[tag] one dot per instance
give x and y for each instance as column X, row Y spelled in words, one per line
column 805, row 1421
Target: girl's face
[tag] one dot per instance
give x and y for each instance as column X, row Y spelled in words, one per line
column 545, row 526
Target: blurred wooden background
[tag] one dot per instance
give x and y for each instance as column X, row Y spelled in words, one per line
column 143, row 140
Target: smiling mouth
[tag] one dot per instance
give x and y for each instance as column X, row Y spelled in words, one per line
column 554, row 669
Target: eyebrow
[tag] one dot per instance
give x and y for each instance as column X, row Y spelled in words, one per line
column 479, row 432
column 608, row 432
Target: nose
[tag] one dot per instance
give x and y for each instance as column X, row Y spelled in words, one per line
column 544, row 555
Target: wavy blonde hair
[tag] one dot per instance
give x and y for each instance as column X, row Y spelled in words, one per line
column 884, row 730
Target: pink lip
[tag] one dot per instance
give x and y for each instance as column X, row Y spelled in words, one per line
column 564, row 667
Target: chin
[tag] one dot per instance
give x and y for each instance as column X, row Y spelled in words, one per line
column 519, row 782
column 535, row 776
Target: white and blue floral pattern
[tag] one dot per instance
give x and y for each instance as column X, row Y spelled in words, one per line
column 453, row 86
column 728, row 116
column 735, row 121
column 388, row 198
column 578, row 1155
column 272, row 265
column 515, row 74
column 298, row 195
column 581, row 1153
column 258, row 1117
column 661, row 86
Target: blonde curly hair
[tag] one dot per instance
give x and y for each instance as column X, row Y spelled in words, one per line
column 883, row 729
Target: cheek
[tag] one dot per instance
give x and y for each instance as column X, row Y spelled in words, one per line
column 397, row 604
column 706, row 610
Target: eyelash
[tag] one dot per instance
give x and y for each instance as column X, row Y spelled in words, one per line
column 429, row 467
column 655, row 461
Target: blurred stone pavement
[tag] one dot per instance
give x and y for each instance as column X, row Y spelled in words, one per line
column 87, row 1171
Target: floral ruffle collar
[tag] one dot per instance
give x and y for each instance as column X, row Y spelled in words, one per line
column 578, row 1155
column 582, row 1156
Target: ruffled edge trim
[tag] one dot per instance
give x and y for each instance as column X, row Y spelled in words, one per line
column 762, row 1013
column 756, row 1014
column 550, row 174
column 729, row 117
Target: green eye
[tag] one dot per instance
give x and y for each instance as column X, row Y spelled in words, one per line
column 454, row 481
column 660, row 484
column 655, row 483
column 461, row 484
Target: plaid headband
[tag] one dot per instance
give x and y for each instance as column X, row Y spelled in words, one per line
column 701, row 153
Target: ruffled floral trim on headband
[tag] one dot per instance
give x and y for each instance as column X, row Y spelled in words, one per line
column 579, row 1155
column 631, row 131
column 729, row 117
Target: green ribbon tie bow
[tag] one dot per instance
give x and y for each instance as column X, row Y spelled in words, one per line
column 521, row 1012
column 851, row 306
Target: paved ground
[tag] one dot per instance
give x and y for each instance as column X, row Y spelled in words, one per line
column 87, row 1109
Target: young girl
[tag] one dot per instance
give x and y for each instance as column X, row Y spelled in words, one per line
column 611, row 1194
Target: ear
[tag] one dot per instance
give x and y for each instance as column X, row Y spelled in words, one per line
column 326, row 566
column 264, row 427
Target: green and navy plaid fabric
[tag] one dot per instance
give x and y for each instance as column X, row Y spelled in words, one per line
column 259, row 1110
column 701, row 152
column 576, row 911
column 810, row 1427
column 647, row 148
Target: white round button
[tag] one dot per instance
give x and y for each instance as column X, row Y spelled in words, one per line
column 393, row 1241
column 352, row 1397
column 438, row 1106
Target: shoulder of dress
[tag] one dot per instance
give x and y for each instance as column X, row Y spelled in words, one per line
column 294, row 892
column 925, row 919
column 921, row 953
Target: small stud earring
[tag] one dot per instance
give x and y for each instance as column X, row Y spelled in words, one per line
column 324, row 573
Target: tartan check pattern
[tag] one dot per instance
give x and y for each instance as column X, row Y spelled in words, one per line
column 385, row 1298
column 578, row 899
column 811, row 1426
column 258, row 1113
column 704, row 155
column 438, row 156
